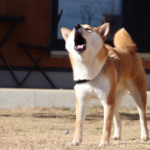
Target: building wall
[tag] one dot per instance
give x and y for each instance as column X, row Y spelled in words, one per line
column 146, row 64
column 35, row 30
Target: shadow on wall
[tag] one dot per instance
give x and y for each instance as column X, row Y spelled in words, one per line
column 62, row 80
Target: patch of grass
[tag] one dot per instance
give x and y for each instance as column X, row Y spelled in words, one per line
column 132, row 108
column 64, row 109
column 19, row 130
column 98, row 128
column 96, row 107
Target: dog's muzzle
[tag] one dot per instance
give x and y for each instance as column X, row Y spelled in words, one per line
column 80, row 42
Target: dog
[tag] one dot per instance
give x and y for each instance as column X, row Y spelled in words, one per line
column 105, row 73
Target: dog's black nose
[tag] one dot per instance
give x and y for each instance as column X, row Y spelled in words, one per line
column 77, row 26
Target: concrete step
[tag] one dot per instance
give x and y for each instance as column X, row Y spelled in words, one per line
column 17, row 98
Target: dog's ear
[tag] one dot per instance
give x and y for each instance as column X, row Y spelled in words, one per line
column 65, row 33
column 104, row 30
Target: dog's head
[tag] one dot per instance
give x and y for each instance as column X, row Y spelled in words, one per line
column 84, row 42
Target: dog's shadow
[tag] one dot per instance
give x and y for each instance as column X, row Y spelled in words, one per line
column 89, row 117
column 124, row 116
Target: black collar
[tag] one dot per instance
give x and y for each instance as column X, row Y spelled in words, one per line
column 84, row 80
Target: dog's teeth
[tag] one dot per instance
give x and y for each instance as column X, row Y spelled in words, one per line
column 80, row 46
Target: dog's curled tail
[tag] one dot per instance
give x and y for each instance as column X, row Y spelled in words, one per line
column 123, row 40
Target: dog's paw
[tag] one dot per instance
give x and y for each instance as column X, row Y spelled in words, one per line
column 103, row 144
column 75, row 143
column 115, row 137
column 145, row 137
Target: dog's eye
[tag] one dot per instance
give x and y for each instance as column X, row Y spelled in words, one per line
column 88, row 29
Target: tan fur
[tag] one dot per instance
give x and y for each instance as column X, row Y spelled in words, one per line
column 103, row 54
column 110, row 72
column 78, row 121
column 102, row 32
column 123, row 40
column 123, row 68
column 65, row 34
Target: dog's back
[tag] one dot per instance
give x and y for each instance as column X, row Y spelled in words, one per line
column 126, row 59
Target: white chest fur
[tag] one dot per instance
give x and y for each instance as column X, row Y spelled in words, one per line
column 98, row 88
column 87, row 70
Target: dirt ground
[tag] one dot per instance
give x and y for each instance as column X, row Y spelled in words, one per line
column 42, row 129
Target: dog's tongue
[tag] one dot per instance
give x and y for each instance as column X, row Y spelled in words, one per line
column 80, row 46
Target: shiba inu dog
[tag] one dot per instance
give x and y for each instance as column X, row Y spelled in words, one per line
column 105, row 73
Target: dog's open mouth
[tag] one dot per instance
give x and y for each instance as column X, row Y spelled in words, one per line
column 80, row 43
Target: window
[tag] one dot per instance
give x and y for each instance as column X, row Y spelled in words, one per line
column 93, row 12
column 133, row 15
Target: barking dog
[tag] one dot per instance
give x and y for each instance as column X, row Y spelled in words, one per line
column 105, row 73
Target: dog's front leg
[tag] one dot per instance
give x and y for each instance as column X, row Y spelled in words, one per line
column 81, row 106
column 108, row 118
